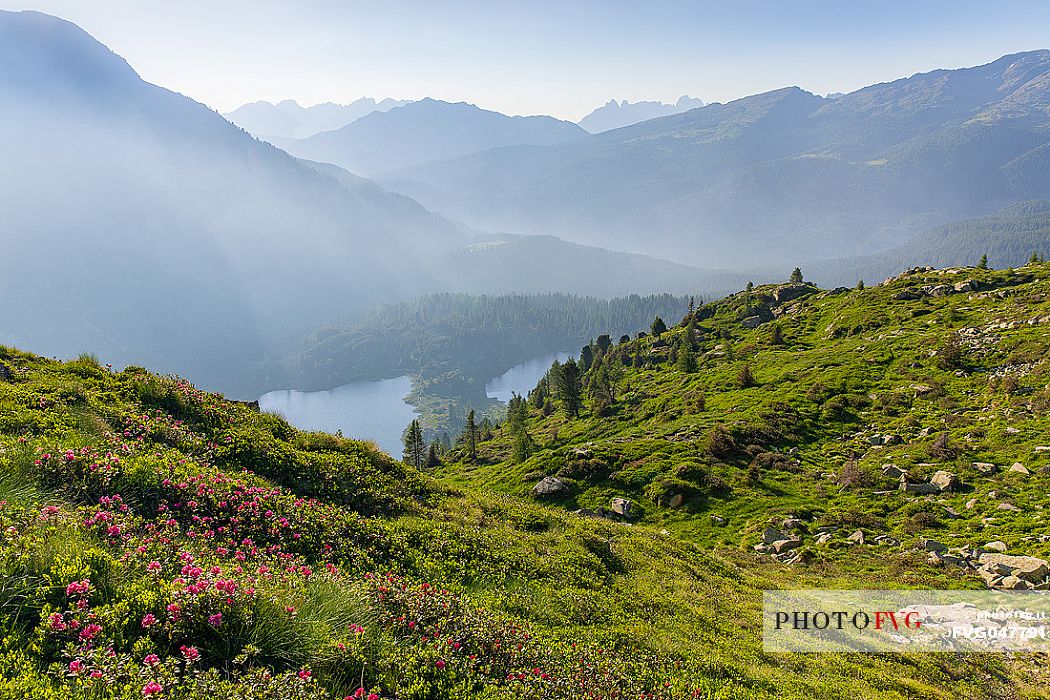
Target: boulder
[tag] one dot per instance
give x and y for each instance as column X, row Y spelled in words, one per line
column 784, row 545
column 892, row 440
column 893, row 471
column 906, row 295
column 984, row 467
column 792, row 524
column 997, row 546
column 886, row 539
column 675, row 501
column 1009, row 506
column 945, row 481
column 919, row 489
column 1019, row 468
column 718, row 520
column 857, row 537
column 771, row 535
column 971, row 503
column 940, row 559
column 549, row 485
column 751, row 322
column 823, row 537
column 965, row 286
column 1015, row 583
column 1027, row 568
column 621, row 506
column 5, row 373
column 991, row 578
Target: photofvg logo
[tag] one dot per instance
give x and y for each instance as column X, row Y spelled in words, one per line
column 905, row 621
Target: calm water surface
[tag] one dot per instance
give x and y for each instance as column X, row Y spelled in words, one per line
column 377, row 410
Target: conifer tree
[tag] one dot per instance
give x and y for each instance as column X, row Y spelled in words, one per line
column 433, row 457
column 796, row 276
column 415, row 448
column 568, row 387
column 686, row 356
column 658, row 326
column 983, row 263
column 470, row 432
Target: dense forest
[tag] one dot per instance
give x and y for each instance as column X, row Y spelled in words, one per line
column 452, row 344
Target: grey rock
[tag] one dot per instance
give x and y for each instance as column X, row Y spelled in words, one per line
column 893, row 471
column 1019, row 468
column 676, row 500
column 785, row 545
column 919, row 489
column 621, row 506
column 792, row 524
column 718, row 520
column 857, row 537
column 1009, row 506
column 1028, row 568
column 549, row 485
column 824, row 537
column 5, row 373
column 933, row 545
column 788, row 292
column 892, row 440
column 1015, row 583
column 771, row 535
column 984, row 467
column 751, row 322
column 945, row 481
column 997, row 546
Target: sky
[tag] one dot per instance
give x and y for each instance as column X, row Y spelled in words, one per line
column 562, row 58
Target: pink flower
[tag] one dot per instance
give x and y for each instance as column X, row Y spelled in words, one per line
column 149, row 620
column 151, row 660
column 153, row 566
column 75, row 666
column 215, row 620
column 152, row 687
column 190, row 653
column 440, row 665
column 304, row 674
column 90, row 632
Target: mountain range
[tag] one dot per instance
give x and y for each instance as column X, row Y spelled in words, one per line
column 613, row 114
column 143, row 226
column 287, row 119
column 783, row 174
column 423, row 131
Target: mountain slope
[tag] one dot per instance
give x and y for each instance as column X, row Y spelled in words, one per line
column 161, row 541
column 424, row 131
column 288, row 120
column 784, row 173
column 909, row 412
column 613, row 114
column 142, row 225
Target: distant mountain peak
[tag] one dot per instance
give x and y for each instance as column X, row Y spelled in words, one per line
column 288, row 119
column 613, row 114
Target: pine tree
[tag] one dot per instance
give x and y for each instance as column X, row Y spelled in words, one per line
column 778, row 335
column 860, row 285
column 586, row 358
column 686, row 356
column 433, row 457
column 796, row 276
column 415, row 448
column 471, row 434
column 569, row 388
column 983, row 264
column 625, row 339
column 1034, row 258
column 748, row 290
column 603, row 344
column 658, row 326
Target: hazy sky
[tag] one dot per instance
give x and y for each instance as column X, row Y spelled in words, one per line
column 559, row 57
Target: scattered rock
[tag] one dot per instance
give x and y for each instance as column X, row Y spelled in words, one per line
column 945, row 481
column 939, row 559
column 971, row 503
column 771, row 535
column 1009, row 506
column 857, row 537
column 997, row 546
column 892, row 440
column 1012, row 431
column 906, row 295
column 965, row 286
column 621, row 506
column 1015, row 583
column 886, row 539
column 984, row 467
column 751, row 322
column 789, row 292
column 5, row 373
column 893, row 471
column 933, row 545
column 1028, row 568
column 920, row 489
column 792, row 524
column 823, row 537
column 676, row 500
column 718, row 520
column 549, row 485
column 1042, row 448
column 784, row 545
column 1019, row 468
